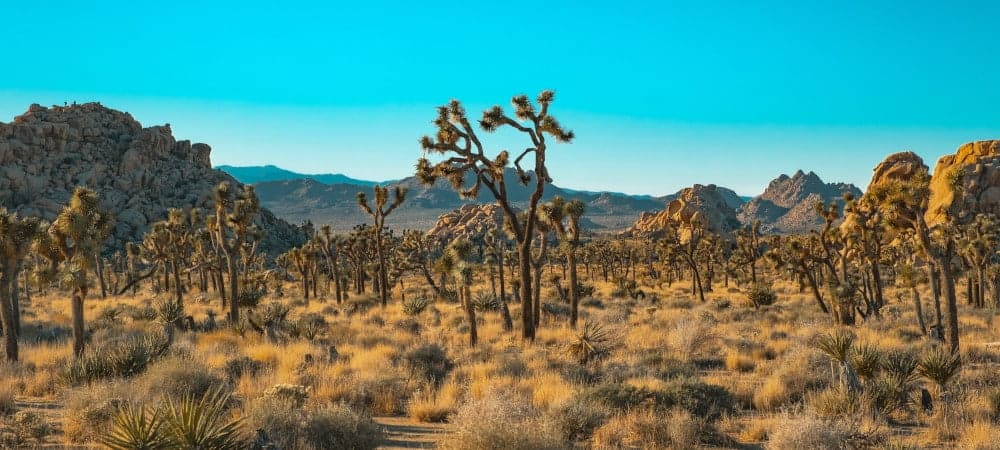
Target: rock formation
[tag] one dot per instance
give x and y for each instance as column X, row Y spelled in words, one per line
column 469, row 222
column 698, row 204
column 138, row 172
column 788, row 205
column 965, row 183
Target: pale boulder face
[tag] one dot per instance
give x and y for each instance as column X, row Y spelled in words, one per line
column 966, row 183
column 468, row 222
column 139, row 173
column 696, row 206
column 898, row 166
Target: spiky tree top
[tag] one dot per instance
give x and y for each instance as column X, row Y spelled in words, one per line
column 457, row 138
column 79, row 232
column 379, row 209
column 16, row 236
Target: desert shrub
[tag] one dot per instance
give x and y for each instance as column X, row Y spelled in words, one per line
column 414, row 306
column 796, row 374
column 739, row 362
column 761, row 294
column 337, row 426
column 429, row 362
column 426, row 406
column 30, row 426
column 407, row 325
column 807, row 431
column 89, row 413
column 499, row 421
column 177, row 378
column 592, row 343
column 700, row 399
column 307, row 326
column 577, row 420
column 119, row 358
column 243, row 365
column 677, row 429
column 835, row 402
column 293, row 395
column 979, row 436
column 690, row 339
column 7, row 399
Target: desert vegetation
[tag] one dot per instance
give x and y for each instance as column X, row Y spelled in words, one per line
column 877, row 330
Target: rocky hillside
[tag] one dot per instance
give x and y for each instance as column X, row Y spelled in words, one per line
column 138, row 172
column 699, row 204
column 788, row 203
column 470, row 221
column 262, row 174
column 966, row 183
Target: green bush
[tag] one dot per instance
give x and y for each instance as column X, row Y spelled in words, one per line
column 700, row 399
column 120, row 358
column 429, row 362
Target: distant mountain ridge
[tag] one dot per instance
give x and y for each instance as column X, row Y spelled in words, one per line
column 786, row 206
column 263, row 174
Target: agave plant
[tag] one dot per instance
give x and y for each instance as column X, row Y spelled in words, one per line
column 837, row 344
column 136, row 428
column 591, row 343
column 486, row 301
column 203, row 423
column 900, row 375
column 416, row 305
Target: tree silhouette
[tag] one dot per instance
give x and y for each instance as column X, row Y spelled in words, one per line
column 378, row 212
column 77, row 237
column 555, row 212
column 232, row 228
column 465, row 155
column 16, row 235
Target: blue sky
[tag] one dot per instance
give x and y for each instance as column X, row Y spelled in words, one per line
column 660, row 94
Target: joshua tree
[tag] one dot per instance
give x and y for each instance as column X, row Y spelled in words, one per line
column 329, row 245
column 465, row 155
column 749, row 249
column 799, row 256
column 460, row 251
column 555, row 213
column 169, row 241
column 676, row 245
column 232, row 228
column 77, row 237
column 378, row 212
column 905, row 203
column 496, row 249
column 16, row 236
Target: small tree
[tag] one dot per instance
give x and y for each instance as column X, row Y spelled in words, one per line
column 465, row 155
column 555, row 213
column 378, row 212
column 232, row 227
column 16, row 236
column 78, row 235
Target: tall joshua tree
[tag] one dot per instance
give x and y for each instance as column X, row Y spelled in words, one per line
column 16, row 236
column 555, row 213
column 231, row 229
column 77, row 236
column 378, row 212
column 465, row 155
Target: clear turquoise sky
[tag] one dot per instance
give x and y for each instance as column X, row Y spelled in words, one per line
column 661, row 94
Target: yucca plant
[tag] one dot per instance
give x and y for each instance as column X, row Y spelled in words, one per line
column 900, row 375
column 867, row 361
column 486, row 301
column 415, row 305
column 590, row 344
column 939, row 365
column 203, row 423
column 837, row 344
column 136, row 428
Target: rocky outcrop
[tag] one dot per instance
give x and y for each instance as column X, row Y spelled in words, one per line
column 138, row 172
column 469, row 222
column 788, row 205
column 698, row 205
column 966, row 183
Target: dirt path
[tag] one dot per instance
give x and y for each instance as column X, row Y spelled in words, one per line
column 404, row 433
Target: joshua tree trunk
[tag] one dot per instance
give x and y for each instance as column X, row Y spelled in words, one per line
column 78, row 331
column 99, row 269
column 178, row 288
column 932, row 275
column 10, row 331
column 952, row 307
column 574, row 295
column 234, row 289
column 917, row 304
column 470, row 313
column 508, row 323
column 524, row 264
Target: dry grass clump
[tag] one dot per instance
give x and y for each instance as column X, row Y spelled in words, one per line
column 177, row 377
column 795, row 374
column 739, row 362
column 691, row 338
column 500, row 421
column 980, row 436
column 808, row 431
column 90, row 410
column 645, row 428
column 7, row 399
column 435, row 404
column 287, row 422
